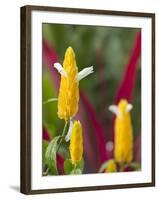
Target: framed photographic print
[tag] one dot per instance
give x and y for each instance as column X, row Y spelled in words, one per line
column 87, row 99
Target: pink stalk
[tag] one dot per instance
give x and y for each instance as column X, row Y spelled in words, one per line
column 46, row 135
column 127, row 85
column 126, row 88
column 49, row 58
column 60, row 163
column 91, row 152
column 99, row 134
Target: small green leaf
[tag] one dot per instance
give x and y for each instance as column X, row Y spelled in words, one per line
column 68, row 166
column 71, row 168
column 76, row 171
column 80, row 164
column 50, row 100
column 44, row 147
column 50, row 155
column 136, row 166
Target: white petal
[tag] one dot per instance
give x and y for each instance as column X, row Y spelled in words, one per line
column 60, row 69
column 68, row 136
column 114, row 109
column 129, row 107
column 85, row 72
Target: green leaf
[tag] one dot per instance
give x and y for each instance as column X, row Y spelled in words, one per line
column 50, row 119
column 50, row 155
column 71, row 168
column 80, row 164
column 76, row 171
column 136, row 166
column 44, row 147
column 68, row 166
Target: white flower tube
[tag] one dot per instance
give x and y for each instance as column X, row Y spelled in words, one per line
column 68, row 136
column 114, row 109
column 83, row 73
column 60, row 69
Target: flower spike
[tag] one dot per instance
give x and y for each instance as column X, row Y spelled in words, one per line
column 69, row 86
column 69, row 89
column 76, row 142
column 111, row 166
column 123, row 146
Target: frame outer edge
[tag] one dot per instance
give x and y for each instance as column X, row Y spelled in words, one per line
column 25, row 95
column 153, row 100
column 25, row 154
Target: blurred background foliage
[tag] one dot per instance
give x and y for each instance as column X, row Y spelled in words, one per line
column 108, row 50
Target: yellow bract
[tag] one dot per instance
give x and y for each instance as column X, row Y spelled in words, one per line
column 69, row 87
column 76, row 142
column 111, row 166
column 123, row 149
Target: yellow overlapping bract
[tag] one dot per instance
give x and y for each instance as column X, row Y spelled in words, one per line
column 123, row 149
column 76, row 142
column 69, row 87
column 111, row 166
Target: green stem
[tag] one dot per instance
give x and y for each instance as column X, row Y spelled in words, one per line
column 63, row 134
column 75, row 165
column 64, row 130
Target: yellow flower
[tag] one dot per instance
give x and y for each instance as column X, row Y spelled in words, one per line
column 123, row 147
column 76, row 142
column 69, row 87
column 111, row 166
column 69, row 90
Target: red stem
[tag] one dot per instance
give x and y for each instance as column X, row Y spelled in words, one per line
column 127, row 85
column 99, row 133
column 126, row 88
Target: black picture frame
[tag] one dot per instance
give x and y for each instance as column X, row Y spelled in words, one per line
column 25, row 182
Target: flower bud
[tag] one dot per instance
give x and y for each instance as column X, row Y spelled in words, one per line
column 111, row 166
column 69, row 88
column 76, row 142
column 123, row 148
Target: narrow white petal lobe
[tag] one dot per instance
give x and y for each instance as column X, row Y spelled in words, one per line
column 129, row 107
column 68, row 136
column 114, row 109
column 60, row 69
column 85, row 72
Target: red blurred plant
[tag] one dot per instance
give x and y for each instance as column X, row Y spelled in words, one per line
column 127, row 85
